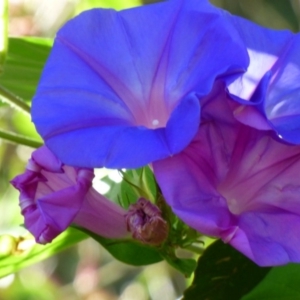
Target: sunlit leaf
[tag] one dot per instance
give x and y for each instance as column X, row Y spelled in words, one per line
column 24, row 63
column 26, row 252
column 3, row 31
column 136, row 183
column 281, row 283
column 224, row 273
column 115, row 4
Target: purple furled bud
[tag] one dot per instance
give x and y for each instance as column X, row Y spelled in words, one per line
column 145, row 222
column 53, row 196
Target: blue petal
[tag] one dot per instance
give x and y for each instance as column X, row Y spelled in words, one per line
column 272, row 82
column 112, row 145
column 114, row 90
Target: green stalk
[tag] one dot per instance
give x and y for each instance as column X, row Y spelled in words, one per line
column 14, row 100
column 19, row 139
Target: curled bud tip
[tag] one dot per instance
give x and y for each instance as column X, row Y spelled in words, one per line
column 145, row 222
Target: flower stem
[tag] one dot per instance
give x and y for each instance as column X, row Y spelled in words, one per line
column 14, row 100
column 19, row 139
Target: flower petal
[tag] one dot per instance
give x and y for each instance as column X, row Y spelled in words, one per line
column 272, row 81
column 237, row 183
column 51, row 199
column 115, row 80
column 52, row 163
column 101, row 216
column 269, row 238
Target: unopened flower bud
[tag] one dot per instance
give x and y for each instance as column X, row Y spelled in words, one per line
column 145, row 222
column 53, row 196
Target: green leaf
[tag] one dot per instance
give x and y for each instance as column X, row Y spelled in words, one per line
column 285, row 9
column 24, row 63
column 136, row 184
column 184, row 265
column 115, row 4
column 275, row 14
column 128, row 251
column 14, row 257
column 3, row 31
column 224, row 273
column 281, row 283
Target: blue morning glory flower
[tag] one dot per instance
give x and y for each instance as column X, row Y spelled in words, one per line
column 123, row 89
column 267, row 94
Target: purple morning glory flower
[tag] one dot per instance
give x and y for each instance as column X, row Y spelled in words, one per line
column 237, row 183
column 54, row 196
column 123, row 89
column 267, row 94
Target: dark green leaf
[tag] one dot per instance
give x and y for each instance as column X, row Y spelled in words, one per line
column 224, row 273
column 14, row 257
column 275, row 14
column 281, row 283
column 128, row 251
column 24, row 63
column 284, row 8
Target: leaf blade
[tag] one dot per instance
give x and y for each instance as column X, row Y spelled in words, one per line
column 223, row 273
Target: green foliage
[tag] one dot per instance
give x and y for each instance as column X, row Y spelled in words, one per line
column 281, row 283
column 134, row 253
column 16, row 254
column 224, row 273
column 115, row 4
column 184, row 265
column 284, row 8
column 3, row 31
column 20, row 139
column 275, row 14
column 128, row 251
column 24, row 63
column 23, row 125
column 135, row 184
